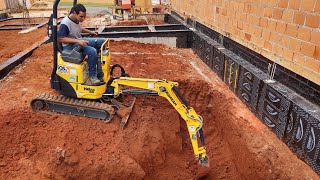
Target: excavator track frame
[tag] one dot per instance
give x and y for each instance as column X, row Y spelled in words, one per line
column 60, row 104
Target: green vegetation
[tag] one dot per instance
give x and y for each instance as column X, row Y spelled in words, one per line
column 68, row 3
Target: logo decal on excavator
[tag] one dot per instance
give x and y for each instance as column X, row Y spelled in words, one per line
column 89, row 89
column 171, row 98
column 63, row 70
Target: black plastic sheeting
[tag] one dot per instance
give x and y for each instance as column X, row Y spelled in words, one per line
column 290, row 114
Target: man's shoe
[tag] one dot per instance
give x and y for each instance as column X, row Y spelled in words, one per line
column 100, row 76
column 93, row 81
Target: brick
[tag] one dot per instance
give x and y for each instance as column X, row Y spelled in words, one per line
column 247, row 7
column 307, row 49
column 257, row 41
column 242, row 35
column 246, row 27
column 307, row 5
column 236, row 31
column 241, row 7
column 299, row 17
column 304, row 33
column 315, row 37
column 285, row 41
column 312, row 64
column 224, row 11
column 243, row 17
column 257, row 31
column 275, row 37
column 234, row 22
column 283, row 3
column 240, row 25
column 253, row 10
column 278, row 50
column 272, row 24
column 247, row 36
column 254, row 19
column 263, row 22
column 266, row 34
column 287, row 54
column 281, row 27
column 259, row 11
column 317, row 6
column 288, row 16
column 251, row 29
column 317, row 53
column 267, row 45
column 217, row 10
column 313, row 20
column 277, row 13
column 294, row 4
column 273, row 2
column 298, row 58
column 295, row 45
column 292, row 30
column 268, row 12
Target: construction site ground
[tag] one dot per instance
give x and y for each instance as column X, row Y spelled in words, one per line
column 154, row 144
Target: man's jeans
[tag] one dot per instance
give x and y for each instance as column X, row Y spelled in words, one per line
column 91, row 51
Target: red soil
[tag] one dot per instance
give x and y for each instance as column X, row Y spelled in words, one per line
column 12, row 42
column 20, row 21
column 154, row 144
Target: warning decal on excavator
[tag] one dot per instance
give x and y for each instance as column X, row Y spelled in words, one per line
column 150, row 85
column 73, row 71
column 72, row 78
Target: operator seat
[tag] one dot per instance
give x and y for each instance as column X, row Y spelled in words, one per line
column 73, row 56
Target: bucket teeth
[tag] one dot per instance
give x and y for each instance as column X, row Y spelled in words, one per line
column 204, row 161
column 124, row 112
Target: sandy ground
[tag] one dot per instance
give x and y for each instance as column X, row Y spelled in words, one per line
column 155, row 143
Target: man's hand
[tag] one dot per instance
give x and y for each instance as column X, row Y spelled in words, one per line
column 83, row 42
column 95, row 33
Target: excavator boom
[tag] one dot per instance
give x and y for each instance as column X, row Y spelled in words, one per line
column 168, row 90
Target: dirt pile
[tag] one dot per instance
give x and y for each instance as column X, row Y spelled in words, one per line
column 155, row 142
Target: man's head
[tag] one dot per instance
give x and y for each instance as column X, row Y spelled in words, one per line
column 78, row 11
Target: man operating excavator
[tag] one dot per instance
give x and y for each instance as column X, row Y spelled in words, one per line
column 70, row 74
column 69, row 35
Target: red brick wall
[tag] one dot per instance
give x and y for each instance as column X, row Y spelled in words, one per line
column 2, row 5
column 285, row 31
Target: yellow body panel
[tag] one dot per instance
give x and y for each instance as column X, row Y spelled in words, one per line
column 77, row 74
column 73, row 73
column 105, row 60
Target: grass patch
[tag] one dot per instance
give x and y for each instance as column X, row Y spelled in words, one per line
column 68, row 3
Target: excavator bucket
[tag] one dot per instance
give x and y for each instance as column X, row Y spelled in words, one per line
column 123, row 111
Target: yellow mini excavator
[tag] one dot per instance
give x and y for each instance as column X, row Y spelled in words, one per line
column 68, row 78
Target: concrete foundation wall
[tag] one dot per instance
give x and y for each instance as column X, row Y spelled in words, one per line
column 284, row 31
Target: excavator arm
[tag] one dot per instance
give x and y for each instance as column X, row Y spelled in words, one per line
column 168, row 90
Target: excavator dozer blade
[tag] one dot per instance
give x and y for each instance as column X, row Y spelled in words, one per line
column 124, row 112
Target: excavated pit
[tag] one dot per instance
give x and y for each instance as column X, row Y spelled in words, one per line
column 155, row 142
